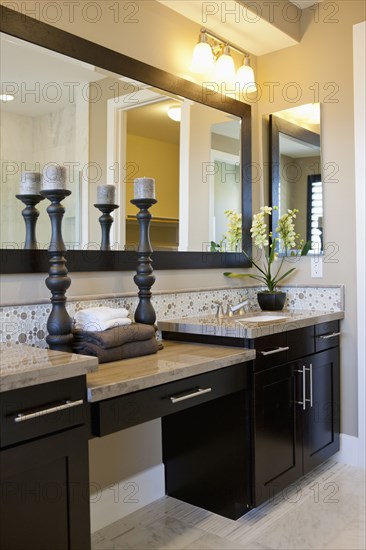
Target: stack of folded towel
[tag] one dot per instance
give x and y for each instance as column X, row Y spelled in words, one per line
column 107, row 333
column 101, row 318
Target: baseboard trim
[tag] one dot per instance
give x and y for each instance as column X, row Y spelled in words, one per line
column 349, row 451
column 120, row 499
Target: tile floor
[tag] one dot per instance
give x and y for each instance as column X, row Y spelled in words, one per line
column 325, row 510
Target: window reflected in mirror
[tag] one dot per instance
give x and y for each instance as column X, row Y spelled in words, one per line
column 296, row 180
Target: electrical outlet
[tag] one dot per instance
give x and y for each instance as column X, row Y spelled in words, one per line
column 317, row 267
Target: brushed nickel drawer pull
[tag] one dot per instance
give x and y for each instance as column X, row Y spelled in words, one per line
column 272, row 351
column 68, row 405
column 196, row 393
column 326, row 336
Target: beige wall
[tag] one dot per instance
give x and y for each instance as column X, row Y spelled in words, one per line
column 323, row 59
column 158, row 159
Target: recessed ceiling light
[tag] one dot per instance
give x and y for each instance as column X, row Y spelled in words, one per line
column 175, row 113
column 6, row 97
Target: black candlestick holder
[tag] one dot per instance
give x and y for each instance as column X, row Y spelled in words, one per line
column 59, row 323
column 106, row 221
column 30, row 214
column 144, row 277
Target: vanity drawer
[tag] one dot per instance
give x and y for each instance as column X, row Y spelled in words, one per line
column 326, row 335
column 35, row 411
column 300, row 342
column 270, row 350
column 128, row 410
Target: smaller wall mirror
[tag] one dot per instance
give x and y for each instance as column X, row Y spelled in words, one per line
column 296, row 179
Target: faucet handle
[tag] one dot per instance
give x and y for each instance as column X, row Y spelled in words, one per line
column 220, row 310
column 229, row 312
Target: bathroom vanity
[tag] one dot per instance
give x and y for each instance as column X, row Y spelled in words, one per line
column 294, row 388
column 44, row 434
column 239, row 422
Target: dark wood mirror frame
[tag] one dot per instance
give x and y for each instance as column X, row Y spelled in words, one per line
column 36, row 261
column 281, row 126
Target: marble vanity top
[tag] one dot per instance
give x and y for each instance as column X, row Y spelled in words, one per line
column 176, row 361
column 242, row 326
column 22, row 366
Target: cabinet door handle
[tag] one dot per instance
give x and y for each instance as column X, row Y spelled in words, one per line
column 327, row 336
column 276, row 350
column 303, row 402
column 310, row 369
column 196, row 393
column 21, row 417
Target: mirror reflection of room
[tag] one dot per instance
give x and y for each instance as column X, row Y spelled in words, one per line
column 194, row 160
column 299, row 181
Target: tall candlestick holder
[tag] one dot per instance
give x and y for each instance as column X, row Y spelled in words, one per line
column 30, row 214
column 144, row 277
column 59, row 323
column 106, row 221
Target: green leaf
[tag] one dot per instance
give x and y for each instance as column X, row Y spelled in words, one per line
column 285, row 275
column 306, row 248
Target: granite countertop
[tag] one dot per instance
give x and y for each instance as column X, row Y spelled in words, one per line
column 240, row 326
column 22, row 366
column 176, row 361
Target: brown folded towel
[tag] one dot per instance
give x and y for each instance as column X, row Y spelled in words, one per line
column 131, row 349
column 116, row 336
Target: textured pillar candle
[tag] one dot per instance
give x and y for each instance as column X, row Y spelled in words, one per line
column 144, row 188
column 106, row 194
column 54, row 177
column 30, row 183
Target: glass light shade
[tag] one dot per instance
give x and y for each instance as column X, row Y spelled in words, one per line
column 175, row 113
column 225, row 68
column 6, row 97
column 245, row 76
column 202, row 59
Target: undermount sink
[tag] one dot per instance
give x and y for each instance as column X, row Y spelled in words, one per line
column 263, row 318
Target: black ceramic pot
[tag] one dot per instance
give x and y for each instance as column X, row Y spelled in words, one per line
column 271, row 301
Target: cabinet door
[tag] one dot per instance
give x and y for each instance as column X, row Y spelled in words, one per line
column 45, row 493
column 321, row 417
column 277, row 438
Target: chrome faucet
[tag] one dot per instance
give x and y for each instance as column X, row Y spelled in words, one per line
column 239, row 307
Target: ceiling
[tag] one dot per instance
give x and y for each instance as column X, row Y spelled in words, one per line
column 303, row 4
column 49, row 87
column 264, row 37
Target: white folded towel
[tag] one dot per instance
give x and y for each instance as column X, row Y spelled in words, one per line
column 98, row 326
column 101, row 313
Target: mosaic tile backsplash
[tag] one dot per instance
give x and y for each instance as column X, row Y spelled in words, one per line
column 26, row 324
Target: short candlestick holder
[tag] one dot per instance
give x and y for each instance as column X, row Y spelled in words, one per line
column 144, row 277
column 106, row 221
column 30, row 214
column 59, row 323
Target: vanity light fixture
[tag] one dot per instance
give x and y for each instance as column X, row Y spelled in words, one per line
column 212, row 53
column 6, row 97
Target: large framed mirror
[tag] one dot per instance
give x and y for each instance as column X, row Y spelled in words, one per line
column 296, row 179
column 104, row 116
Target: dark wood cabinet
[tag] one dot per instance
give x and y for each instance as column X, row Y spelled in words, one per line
column 45, row 478
column 321, row 419
column 206, row 452
column 276, row 431
column 295, row 412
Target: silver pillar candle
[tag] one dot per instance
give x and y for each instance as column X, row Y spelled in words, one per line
column 30, row 183
column 106, row 194
column 144, row 188
column 53, row 177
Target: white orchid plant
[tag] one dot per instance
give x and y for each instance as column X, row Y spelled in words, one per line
column 291, row 241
